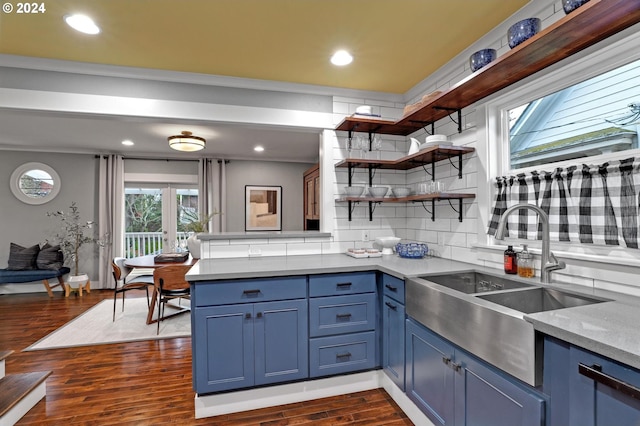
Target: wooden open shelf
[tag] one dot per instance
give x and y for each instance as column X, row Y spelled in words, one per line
column 420, row 197
column 426, row 156
column 584, row 27
column 429, row 155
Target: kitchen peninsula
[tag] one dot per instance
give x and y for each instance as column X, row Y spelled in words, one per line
column 301, row 286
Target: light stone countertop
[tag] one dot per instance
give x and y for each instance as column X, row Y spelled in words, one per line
column 609, row 328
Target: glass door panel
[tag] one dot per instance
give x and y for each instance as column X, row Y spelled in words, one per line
column 156, row 219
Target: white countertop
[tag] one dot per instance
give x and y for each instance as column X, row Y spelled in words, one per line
column 608, row 328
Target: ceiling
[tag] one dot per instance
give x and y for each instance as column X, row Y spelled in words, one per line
column 395, row 44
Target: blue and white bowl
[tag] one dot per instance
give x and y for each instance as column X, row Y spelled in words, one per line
column 482, row 58
column 571, row 5
column 523, row 30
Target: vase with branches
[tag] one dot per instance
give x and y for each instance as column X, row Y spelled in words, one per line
column 73, row 233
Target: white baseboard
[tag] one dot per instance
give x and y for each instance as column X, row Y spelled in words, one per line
column 251, row 399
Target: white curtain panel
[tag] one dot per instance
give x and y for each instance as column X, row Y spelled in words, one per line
column 110, row 214
column 212, row 193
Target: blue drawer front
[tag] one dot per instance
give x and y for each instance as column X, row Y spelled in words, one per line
column 249, row 291
column 393, row 287
column 337, row 284
column 342, row 354
column 342, row 314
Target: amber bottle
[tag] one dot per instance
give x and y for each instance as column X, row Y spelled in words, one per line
column 510, row 261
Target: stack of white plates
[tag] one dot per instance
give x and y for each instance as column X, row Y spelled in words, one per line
column 434, row 140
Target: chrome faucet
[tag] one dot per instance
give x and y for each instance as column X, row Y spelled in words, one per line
column 548, row 261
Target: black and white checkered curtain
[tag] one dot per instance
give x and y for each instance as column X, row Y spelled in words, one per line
column 589, row 204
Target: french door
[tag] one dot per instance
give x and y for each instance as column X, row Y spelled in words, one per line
column 155, row 216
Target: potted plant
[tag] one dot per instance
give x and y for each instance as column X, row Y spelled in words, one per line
column 194, row 225
column 72, row 234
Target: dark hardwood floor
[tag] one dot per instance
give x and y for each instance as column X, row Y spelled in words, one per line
column 143, row 383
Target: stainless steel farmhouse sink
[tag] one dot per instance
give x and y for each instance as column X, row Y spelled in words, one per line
column 486, row 320
column 539, row 299
column 475, row 282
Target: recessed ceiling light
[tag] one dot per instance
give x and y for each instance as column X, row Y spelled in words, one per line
column 258, row 148
column 341, row 58
column 82, row 23
column 127, row 142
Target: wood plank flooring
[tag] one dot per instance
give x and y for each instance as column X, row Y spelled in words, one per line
column 143, row 383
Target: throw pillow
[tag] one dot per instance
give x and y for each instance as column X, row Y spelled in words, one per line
column 22, row 258
column 50, row 257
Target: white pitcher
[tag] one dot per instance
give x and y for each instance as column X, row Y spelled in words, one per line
column 415, row 146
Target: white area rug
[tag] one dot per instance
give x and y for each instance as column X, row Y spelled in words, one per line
column 95, row 326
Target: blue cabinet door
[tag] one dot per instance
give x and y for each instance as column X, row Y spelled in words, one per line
column 223, row 347
column 601, row 391
column 429, row 380
column 485, row 396
column 393, row 340
column 281, row 341
column 454, row 388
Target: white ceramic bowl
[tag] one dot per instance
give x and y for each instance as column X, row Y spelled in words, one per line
column 387, row 244
column 401, row 192
column 353, row 191
column 378, row 191
column 436, row 138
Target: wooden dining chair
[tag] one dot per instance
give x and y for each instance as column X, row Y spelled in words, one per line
column 170, row 284
column 126, row 281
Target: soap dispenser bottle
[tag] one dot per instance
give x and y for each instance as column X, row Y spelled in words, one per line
column 510, row 261
column 525, row 263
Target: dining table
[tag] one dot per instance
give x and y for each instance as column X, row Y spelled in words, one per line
column 149, row 261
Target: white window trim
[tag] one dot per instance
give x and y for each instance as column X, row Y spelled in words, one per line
column 494, row 159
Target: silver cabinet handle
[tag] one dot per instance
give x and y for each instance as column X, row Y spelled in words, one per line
column 595, row 373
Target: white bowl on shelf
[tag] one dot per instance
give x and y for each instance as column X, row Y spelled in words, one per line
column 401, row 191
column 436, row 138
column 387, row 244
column 378, row 191
column 353, row 191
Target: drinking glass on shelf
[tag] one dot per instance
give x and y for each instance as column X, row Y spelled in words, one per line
column 435, row 187
column 361, row 145
column 376, row 146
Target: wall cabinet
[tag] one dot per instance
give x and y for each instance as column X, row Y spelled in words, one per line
column 342, row 323
column 393, row 320
column 253, row 340
column 454, row 388
column 311, row 191
column 587, row 389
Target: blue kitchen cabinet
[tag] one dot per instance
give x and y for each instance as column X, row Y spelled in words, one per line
column 555, row 380
column 602, row 392
column 248, row 339
column 453, row 387
column 223, row 348
column 251, row 344
column 429, row 380
column 393, row 333
column 343, row 317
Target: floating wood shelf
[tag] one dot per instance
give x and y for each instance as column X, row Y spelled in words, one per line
column 584, row 27
column 426, row 156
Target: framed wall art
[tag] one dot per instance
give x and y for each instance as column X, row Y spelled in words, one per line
column 263, row 208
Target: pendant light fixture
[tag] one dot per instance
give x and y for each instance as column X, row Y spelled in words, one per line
column 186, row 142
